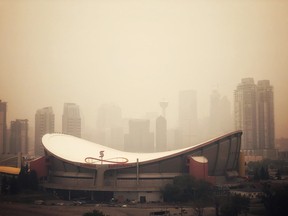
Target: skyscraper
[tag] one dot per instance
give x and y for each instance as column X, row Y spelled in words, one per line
column 109, row 115
column 19, row 136
column 215, row 109
column 188, row 117
column 163, row 104
column 245, row 114
column 71, row 120
column 44, row 123
column 265, row 111
column 254, row 115
column 161, row 134
column 3, row 127
column 220, row 115
column 139, row 138
column 110, row 131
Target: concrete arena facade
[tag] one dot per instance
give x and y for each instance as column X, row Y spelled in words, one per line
column 71, row 167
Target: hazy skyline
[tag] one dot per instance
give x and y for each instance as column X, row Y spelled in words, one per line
column 134, row 53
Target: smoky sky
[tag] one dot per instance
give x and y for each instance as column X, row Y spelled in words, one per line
column 134, row 53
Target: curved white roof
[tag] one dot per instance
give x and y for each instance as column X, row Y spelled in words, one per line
column 78, row 150
column 86, row 153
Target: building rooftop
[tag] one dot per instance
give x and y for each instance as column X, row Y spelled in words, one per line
column 86, row 153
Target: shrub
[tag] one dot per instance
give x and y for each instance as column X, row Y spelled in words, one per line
column 94, row 213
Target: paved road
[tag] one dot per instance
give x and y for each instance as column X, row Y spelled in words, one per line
column 18, row 209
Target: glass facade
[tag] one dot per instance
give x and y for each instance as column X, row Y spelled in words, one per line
column 223, row 155
column 210, row 152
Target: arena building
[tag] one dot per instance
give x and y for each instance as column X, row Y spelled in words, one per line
column 72, row 165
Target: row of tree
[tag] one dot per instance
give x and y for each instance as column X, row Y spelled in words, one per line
column 200, row 194
column 275, row 199
column 26, row 180
column 260, row 169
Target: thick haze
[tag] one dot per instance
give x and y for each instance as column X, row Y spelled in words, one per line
column 134, row 53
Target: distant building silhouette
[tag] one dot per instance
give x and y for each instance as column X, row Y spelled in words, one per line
column 109, row 115
column 110, row 131
column 227, row 120
column 3, row 127
column 220, row 115
column 173, row 138
column 161, row 134
column 215, row 109
column 163, row 104
column 152, row 116
column 282, row 148
column 117, row 138
column 139, row 138
column 44, row 123
column 254, row 114
column 19, row 136
column 188, row 117
column 71, row 120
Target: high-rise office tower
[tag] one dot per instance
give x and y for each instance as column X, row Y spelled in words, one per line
column 19, row 136
column 109, row 115
column 161, row 134
column 109, row 126
column 227, row 120
column 173, row 138
column 188, row 117
column 44, row 123
column 71, row 120
column 254, row 115
column 3, row 127
column 152, row 116
column 139, row 138
column 245, row 114
column 265, row 113
column 163, row 104
column 220, row 120
column 215, row 109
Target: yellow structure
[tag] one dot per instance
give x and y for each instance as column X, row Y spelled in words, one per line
column 9, row 170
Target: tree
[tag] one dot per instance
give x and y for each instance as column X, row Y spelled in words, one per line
column 23, row 180
column 264, row 174
column 4, row 185
column 186, row 188
column 171, row 193
column 278, row 174
column 233, row 205
column 33, row 180
column 256, row 174
column 27, row 179
column 94, row 213
column 14, row 189
column 275, row 199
